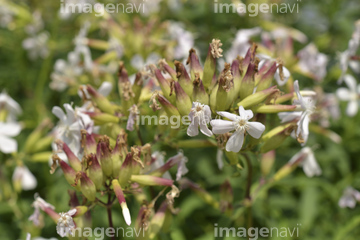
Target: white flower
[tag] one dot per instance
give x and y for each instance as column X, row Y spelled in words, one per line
column 7, row 130
column 65, row 224
column 10, row 106
column 240, row 124
column 25, row 177
column 345, row 57
column 241, row 44
column 351, row 95
column 307, row 108
column 70, row 125
column 313, row 62
column 200, row 115
column 182, row 169
column 184, row 39
column 349, row 198
column 36, row 45
column 38, row 204
column 307, row 160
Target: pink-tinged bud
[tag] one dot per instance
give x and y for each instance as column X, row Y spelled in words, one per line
column 164, row 66
column 183, row 78
column 87, row 186
column 80, row 211
column 102, row 118
column 204, row 195
column 267, row 161
column 88, row 142
column 105, row 155
column 248, row 82
column 54, row 215
column 226, row 197
column 237, row 73
column 95, row 170
column 173, row 161
column 126, row 170
column 100, row 101
column 183, row 101
column 274, row 108
column 165, row 85
column 195, row 66
column 125, row 89
column 170, row 109
column 142, row 218
column 157, row 221
column 199, row 93
column 74, row 201
column 137, row 86
column 225, row 93
column 120, row 196
column 209, row 68
column 247, row 59
column 73, row 160
column 148, row 180
column 259, row 97
column 119, row 153
column 69, row 173
column 266, row 78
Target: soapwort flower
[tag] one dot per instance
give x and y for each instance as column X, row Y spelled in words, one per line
column 65, row 224
column 350, row 94
column 200, row 115
column 240, row 124
column 349, row 198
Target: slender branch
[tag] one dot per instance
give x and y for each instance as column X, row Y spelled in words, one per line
column 111, row 225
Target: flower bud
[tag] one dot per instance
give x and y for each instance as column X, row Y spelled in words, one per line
column 183, row 78
column 274, row 138
column 104, row 153
column 95, row 170
column 100, row 101
column 69, row 173
column 274, row 108
column 258, row 97
column 126, row 170
column 165, row 85
column 119, row 152
column 212, row 99
column 248, row 82
column 266, row 78
column 88, row 142
column 102, row 118
column 164, row 66
column 210, row 62
column 237, row 74
column 73, row 160
column 157, row 221
column 80, row 211
column 125, row 89
column 225, row 93
column 170, row 109
column 266, row 162
column 195, row 66
column 148, row 180
column 87, row 186
column 183, row 101
column 120, row 196
column 137, row 86
column 199, row 93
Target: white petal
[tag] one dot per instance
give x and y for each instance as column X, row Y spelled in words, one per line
column 310, row 166
column 205, row 130
column 248, row 114
column 105, row 88
column 286, row 76
column 193, row 129
column 28, row 180
column 219, row 159
column 70, row 113
column 288, row 116
column 352, row 108
column 228, row 115
column 72, row 212
column 235, row 142
column 351, row 82
column 255, row 129
column 10, row 129
column 59, row 113
column 7, row 145
column 126, row 215
column 221, row 126
column 343, row 94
